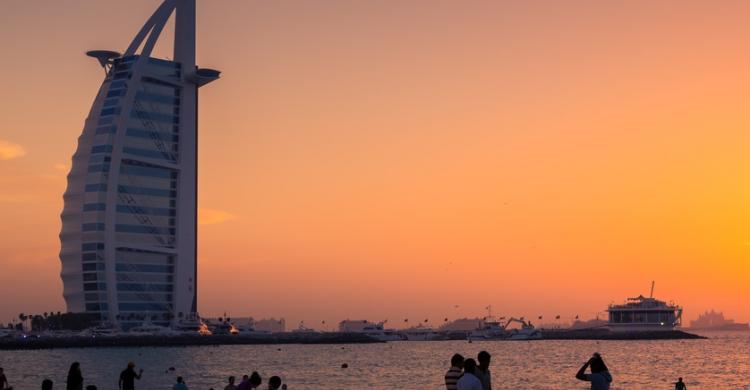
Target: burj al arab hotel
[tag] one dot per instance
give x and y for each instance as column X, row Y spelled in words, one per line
column 128, row 239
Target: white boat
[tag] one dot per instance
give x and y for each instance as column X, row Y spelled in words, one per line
column 495, row 330
column 371, row 329
column 644, row 314
column 419, row 333
column 303, row 329
column 148, row 328
column 224, row 328
column 380, row 334
column 104, row 330
column 187, row 326
column 525, row 333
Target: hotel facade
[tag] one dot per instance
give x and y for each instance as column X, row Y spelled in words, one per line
column 129, row 223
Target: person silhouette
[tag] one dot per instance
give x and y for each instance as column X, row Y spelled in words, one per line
column 231, row 385
column 128, row 377
column 46, row 384
column 245, row 383
column 600, row 377
column 483, row 370
column 469, row 380
column 180, row 385
column 3, row 380
column 75, row 378
column 274, row 383
column 255, row 380
column 454, row 373
column 680, row 385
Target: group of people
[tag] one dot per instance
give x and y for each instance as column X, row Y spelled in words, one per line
column 128, row 377
column 252, row 381
column 467, row 374
column 470, row 374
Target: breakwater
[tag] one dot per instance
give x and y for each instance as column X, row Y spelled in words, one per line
column 605, row 334
column 33, row 342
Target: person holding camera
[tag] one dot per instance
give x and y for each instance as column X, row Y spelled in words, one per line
column 600, row 377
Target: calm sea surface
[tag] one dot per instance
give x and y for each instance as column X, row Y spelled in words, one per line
column 722, row 362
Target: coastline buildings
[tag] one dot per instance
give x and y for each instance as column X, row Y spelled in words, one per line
column 128, row 238
column 715, row 321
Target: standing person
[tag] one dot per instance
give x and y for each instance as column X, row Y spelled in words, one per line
column 180, row 385
column 451, row 377
column 483, row 371
column 600, row 377
column 75, row 378
column 245, row 383
column 3, row 380
column 680, row 385
column 255, row 380
column 469, row 380
column 274, row 383
column 46, row 384
column 231, row 385
column 128, row 377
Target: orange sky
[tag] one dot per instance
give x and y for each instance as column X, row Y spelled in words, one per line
column 395, row 159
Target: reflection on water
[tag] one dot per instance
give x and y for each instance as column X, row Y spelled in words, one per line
column 722, row 362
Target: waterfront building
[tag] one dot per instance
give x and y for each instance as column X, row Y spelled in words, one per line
column 129, row 222
column 644, row 314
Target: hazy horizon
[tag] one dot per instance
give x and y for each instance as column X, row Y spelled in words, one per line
column 402, row 160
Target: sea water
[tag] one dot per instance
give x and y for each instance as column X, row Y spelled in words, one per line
column 720, row 362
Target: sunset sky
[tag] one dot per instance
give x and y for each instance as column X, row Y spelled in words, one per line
column 416, row 159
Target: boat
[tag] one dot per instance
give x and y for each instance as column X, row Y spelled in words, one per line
column 419, row 333
column 495, row 330
column 224, row 328
column 189, row 325
column 526, row 332
column 376, row 331
column 148, row 328
column 103, row 330
column 303, row 329
column 644, row 314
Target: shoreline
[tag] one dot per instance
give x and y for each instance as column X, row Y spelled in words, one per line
column 181, row 341
column 31, row 343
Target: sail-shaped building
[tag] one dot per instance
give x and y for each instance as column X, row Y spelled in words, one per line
column 129, row 223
